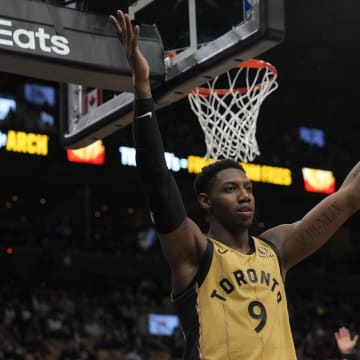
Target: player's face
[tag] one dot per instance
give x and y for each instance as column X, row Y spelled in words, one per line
column 231, row 199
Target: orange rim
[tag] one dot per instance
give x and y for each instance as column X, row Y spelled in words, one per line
column 251, row 63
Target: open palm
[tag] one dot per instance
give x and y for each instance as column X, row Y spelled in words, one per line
column 344, row 341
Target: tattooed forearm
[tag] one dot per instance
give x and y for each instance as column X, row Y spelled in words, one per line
column 356, row 172
column 319, row 225
column 353, row 176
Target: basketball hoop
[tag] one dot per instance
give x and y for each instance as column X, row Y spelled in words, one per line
column 228, row 115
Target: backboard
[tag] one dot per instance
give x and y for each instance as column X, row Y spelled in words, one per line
column 205, row 38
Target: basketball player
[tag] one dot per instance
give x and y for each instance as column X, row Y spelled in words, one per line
column 346, row 343
column 227, row 286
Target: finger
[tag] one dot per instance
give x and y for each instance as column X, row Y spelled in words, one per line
column 118, row 25
column 356, row 338
column 121, row 21
column 135, row 38
column 129, row 33
column 124, row 30
column 117, row 28
column 337, row 336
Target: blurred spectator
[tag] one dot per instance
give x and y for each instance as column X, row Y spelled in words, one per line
column 346, row 343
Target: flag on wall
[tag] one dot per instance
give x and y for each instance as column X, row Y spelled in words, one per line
column 92, row 100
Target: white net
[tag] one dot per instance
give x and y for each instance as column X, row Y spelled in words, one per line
column 228, row 115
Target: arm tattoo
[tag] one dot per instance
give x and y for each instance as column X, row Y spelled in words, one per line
column 321, row 223
column 354, row 174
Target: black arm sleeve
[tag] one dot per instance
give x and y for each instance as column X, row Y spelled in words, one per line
column 162, row 193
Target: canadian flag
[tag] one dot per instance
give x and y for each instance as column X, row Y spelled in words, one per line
column 92, row 100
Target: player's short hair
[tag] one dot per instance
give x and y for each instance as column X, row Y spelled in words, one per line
column 204, row 180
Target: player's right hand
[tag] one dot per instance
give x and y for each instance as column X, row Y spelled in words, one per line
column 129, row 38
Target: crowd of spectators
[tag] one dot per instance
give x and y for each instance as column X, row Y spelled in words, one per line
column 44, row 322
column 48, row 323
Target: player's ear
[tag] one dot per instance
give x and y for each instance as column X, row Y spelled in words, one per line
column 204, row 201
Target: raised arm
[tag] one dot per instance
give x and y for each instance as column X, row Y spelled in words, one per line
column 182, row 242
column 300, row 239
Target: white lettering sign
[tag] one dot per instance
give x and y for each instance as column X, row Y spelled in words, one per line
column 3, row 138
column 32, row 40
column 173, row 162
